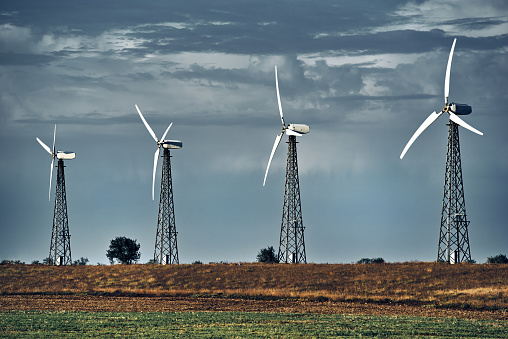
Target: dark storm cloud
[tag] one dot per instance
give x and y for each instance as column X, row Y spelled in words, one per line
column 475, row 23
column 233, row 78
column 230, row 78
column 383, row 97
column 232, row 27
column 98, row 16
column 273, row 40
column 94, row 118
column 25, row 59
column 260, row 28
column 93, row 17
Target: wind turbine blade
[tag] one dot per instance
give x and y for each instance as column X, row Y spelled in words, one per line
column 167, row 130
column 447, row 77
column 155, row 158
column 278, row 98
column 430, row 119
column 146, row 125
column 46, row 147
column 51, row 177
column 275, row 145
column 459, row 121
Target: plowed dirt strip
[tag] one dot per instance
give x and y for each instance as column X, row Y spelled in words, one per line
column 182, row 304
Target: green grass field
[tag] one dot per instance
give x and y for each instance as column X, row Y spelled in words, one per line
column 38, row 324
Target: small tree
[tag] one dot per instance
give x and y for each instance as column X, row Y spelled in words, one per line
column 81, row 261
column 267, row 255
column 498, row 259
column 124, row 250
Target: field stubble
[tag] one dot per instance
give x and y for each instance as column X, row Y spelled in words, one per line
column 425, row 286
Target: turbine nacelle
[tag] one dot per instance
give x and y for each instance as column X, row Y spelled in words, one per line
column 61, row 155
column 171, row 144
column 297, row 129
column 459, row 109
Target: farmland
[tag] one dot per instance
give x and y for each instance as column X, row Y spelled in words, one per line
column 255, row 300
column 407, row 287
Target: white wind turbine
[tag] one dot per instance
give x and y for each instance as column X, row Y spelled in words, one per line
column 60, row 248
column 291, row 244
column 166, row 248
column 453, row 238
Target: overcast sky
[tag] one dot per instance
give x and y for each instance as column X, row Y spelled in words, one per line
column 362, row 74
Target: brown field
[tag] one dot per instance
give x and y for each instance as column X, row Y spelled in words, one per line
column 431, row 289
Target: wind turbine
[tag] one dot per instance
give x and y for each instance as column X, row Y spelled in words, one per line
column 453, row 238
column 166, row 249
column 60, row 247
column 292, row 244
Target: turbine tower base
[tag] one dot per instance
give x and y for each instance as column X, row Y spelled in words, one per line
column 292, row 243
column 453, row 236
column 60, row 248
column 166, row 249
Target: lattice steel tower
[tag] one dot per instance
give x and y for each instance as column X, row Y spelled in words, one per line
column 60, row 248
column 292, row 243
column 453, row 235
column 166, row 248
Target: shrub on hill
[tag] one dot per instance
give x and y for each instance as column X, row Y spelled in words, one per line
column 371, row 261
column 12, row 262
column 80, row 262
column 498, row 259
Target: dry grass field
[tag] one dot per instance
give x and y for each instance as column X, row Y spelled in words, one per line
column 429, row 286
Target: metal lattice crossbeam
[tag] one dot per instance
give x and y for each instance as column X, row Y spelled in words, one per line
column 166, row 249
column 60, row 248
column 453, row 236
column 292, row 243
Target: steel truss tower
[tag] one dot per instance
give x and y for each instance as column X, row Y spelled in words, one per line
column 453, row 236
column 166, row 249
column 60, row 248
column 292, row 244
